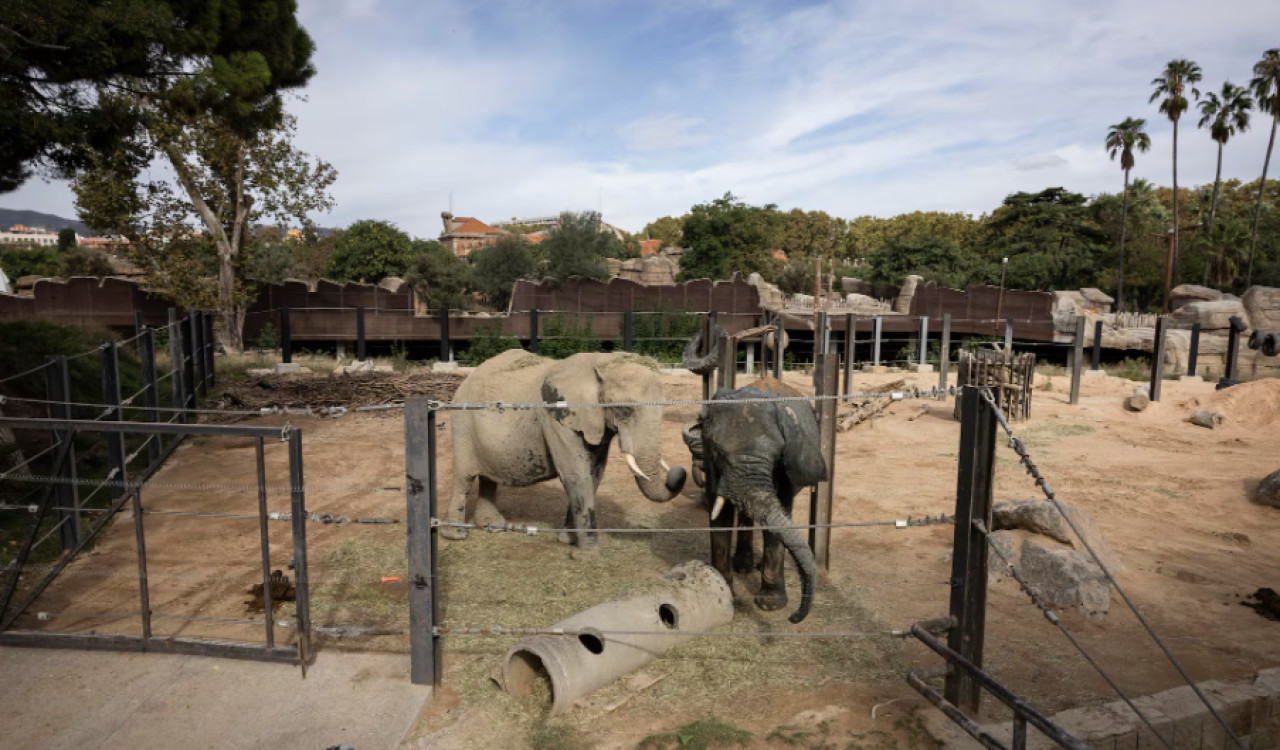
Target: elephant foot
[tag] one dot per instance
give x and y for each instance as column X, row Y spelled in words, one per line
column 565, row 537
column 771, row 597
column 744, row 564
column 487, row 513
column 454, row 533
column 585, row 553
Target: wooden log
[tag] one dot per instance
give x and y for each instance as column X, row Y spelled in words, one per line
column 1140, row 399
column 867, row 408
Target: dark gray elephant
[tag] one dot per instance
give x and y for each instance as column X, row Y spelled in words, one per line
column 761, row 455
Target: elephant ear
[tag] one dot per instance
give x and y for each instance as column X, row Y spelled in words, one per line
column 576, row 382
column 801, row 452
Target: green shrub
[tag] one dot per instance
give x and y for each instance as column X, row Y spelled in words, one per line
column 267, row 337
column 19, row 262
column 662, row 334
column 562, row 337
column 487, row 341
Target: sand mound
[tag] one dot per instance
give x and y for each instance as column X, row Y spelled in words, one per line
column 1252, row 404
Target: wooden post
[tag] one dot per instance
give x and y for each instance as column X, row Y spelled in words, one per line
column 945, row 363
column 826, row 373
column 1194, row 352
column 969, row 555
column 924, row 339
column 1157, row 358
column 850, row 342
column 778, row 349
column 302, row 579
column 628, row 329
column 147, row 353
column 58, row 390
column 1077, row 360
column 821, row 337
column 420, row 496
column 286, row 337
column 360, row 341
column 533, row 330
column 1097, row 346
column 727, row 370
column 446, row 349
column 875, row 346
column 177, row 396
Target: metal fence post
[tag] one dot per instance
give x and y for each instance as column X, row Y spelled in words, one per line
column 302, row 580
column 175, row 362
column 115, row 440
column 264, row 538
column 1157, row 359
column 533, row 330
column 420, row 495
column 188, row 367
column 728, row 369
column 924, row 339
column 144, row 594
column 147, row 353
column 360, row 345
column 1233, row 352
column 137, row 322
column 1008, row 334
column 969, row 556
column 944, row 362
column 628, row 329
column 197, row 352
column 827, row 383
column 1077, row 360
column 778, row 350
column 446, row 350
column 1097, row 346
column 875, row 347
column 286, row 337
column 208, row 349
column 821, row 337
column 58, row 389
column 1194, row 352
column 850, row 341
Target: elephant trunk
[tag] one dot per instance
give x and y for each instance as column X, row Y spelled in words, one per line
column 798, row 546
column 658, row 481
column 702, row 364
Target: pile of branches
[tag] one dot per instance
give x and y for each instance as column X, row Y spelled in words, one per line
column 859, row 411
column 348, row 390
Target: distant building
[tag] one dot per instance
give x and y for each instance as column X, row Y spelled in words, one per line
column 464, row 234
column 19, row 234
column 102, row 243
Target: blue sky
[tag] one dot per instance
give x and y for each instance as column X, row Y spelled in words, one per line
column 647, row 107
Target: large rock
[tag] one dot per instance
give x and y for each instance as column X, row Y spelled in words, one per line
column 1269, row 490
column 1065, row 578
column 1205, row 418
column 1097, row 300
column 851, row 285
column 1041, row 517
column 1185, row 294
column 1262, row 305
column 1007, row 543
column 1211, row 316
column 907, row 293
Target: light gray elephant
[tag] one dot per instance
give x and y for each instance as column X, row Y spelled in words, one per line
column 523, row 447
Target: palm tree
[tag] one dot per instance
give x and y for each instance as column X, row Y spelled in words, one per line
column 1226, row 115
column 1173, row 84
column 1265, row 86
column 1123, row 139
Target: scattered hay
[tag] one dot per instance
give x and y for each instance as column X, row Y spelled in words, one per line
column 347, row 588
column 700, row 735
column 1045, row 433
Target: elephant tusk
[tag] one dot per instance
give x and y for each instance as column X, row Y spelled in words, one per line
column 635, row 467
column 664, row 466
column 715, row 509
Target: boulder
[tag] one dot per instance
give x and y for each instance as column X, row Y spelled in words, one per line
column 1262, row 306
column 907, row 293
column 850, row 285
column 1269, row 490
column 1065, row 578
column 1097, row 300
column 1069, row 301
column 1185, row 294
column 1211, row 316
column 1006, row 542
column 1140, row 399
column 1205, row 418
column 1041, row 517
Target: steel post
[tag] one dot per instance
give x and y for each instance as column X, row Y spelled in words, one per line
column 361, row 353
column 969, row 557
column 58, row 390
column 1157, row 358
column 1233, row 352
column 144, row 594
column 1077, row 360
column 197, row 352
column 188, row 367
column 147, row 353
column 1097, row 346
column 533, row 330
column 419, row 456
column 875, row 346
column 924, row 339
column 850, row 341
column 286, row 337
column 264, row 540
column 628, row 328
column 1194, row 351
column 175, row 361
column 302, row 579
column 944, row 362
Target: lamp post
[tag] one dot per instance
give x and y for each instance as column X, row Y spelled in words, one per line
column 1168, row 264
column 1004, row 263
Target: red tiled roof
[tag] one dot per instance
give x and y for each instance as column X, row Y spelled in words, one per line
column 780, row 254
column 535, row 238
column 650, row 247
column 473, row 226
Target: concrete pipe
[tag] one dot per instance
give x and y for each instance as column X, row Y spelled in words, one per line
column 694, row 597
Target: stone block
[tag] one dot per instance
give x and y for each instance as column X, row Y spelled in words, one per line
column 288, row 368
column 1162, row 724
column 1065, row 578
column 1211, row 316
column 444, row 367
column 1186, row 713
column 1042, row 517
column 1238, row 703
column 1184, row 294
column 926, row 368
column 875, row 369
column 1094, row 374
column 1101, row 725
column 1262, row 306
column 1268, row 492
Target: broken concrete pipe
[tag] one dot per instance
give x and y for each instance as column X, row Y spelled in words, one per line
column 694, row 598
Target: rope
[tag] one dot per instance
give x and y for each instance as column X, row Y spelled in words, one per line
column 500, row 630
column 24, row 373
column 1016, row 443
column 901, row 523
column 1053, row 618
column 196, row 487
column 29, row 460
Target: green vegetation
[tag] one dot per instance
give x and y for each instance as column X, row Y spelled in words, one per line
column 66, row 239
column 370, row 251
column 555, row 734
column 1171, row 87
column 703, row 734
column 488, row 341
column 499, row 266
column 662, row 334
column 1122, row 139
column 727, row 236
column 438, row 275
column 84, row 262
column 20, row 261
column 578, row 247
column 561, row 337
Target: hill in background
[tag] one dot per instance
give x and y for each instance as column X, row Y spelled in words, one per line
column 11, row 216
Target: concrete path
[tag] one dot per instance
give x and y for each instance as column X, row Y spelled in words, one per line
column 53, row 698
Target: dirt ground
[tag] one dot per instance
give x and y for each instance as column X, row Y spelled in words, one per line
column 1172, row 498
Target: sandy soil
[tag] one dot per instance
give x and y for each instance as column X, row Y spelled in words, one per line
column 1173, row 499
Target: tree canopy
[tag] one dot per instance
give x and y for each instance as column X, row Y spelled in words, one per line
column 498, row 266
column 667, row 229
column 578, row 247
column 370, row 251
column 727, row 236
column 439, row 275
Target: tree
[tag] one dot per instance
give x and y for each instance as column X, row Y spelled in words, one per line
column 370, row 251
column 84, row 262
column 66, row 239
column 59, row 57
column 1172, row 84
column 311, row 256
column 1050, row 238
column 219, row 178
column 1143, row 214
column 1226, row 115
column 937, row 259
column 578, row 247
column 1266, row 87
column 866, row 234
column 727, row 236
column 500, row 265
column 667, row 229
column 28, row 261
column 438, row 275
column 1123, row 139
column 810, row 233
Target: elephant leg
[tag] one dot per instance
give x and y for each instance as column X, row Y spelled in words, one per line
column 457, row 508
column 582, row 514
column 722, row 543
column 744, row 555
column 597, row 474
column 773, row 587
column 486, row 506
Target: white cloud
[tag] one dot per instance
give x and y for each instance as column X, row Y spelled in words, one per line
column 663, row 132
column 1038, row 161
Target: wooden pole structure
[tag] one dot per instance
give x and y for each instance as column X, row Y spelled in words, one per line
column 1077, row 360
column 826, row 371
column 1157, row 358
column 944, row 363
column 420, row 495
